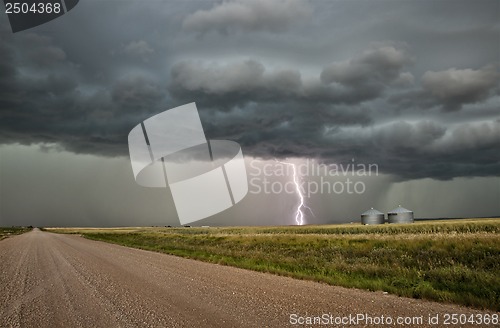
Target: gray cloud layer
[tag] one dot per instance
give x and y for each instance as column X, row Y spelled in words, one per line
column 353, row 82
column 248, row 15
column 456, row 87
column 333, row 87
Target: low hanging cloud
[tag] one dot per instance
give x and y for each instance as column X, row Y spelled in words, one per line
column 335, row 115
column 481, row 136
column 473, row 140
column 39, row 51
column 136, row 92
column 233, row 84
column 280, row 113
column 402, row 135
column 49, row 101
column 240, row 83
column 248, row 15
column 379, row 65
column 352, row 82
column 420, row 149
column 69, row 88
column 139, row 49
column 456, row 87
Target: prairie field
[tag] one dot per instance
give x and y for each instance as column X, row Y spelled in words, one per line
column 454, row 261
column 10, row 231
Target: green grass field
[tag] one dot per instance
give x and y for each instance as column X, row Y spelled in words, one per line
column 9, row 231
column 449, row 261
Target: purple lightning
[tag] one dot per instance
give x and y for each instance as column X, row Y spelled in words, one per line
column 299, row 216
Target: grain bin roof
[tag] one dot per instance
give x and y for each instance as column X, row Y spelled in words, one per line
column 372, row 212
column 399, row 209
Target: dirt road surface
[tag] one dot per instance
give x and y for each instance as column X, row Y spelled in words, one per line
column 52, row 280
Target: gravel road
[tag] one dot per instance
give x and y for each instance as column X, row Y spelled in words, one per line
column 52, row 280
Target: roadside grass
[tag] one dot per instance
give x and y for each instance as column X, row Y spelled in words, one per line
column 9, row 231
column 447, row 261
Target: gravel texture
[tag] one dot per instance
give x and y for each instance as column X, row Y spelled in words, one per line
column 53, row 280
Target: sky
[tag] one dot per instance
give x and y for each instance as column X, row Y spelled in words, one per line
column 409, row 87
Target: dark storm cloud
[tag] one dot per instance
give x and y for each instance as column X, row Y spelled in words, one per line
column 45, row 100
column 406, row 149
column 451, row 89
column 248, row 15
column 139, row 48
column 380, row 65
column 279, row 113
column 429, row 149
column 137, row 93
column 307, row 79
column 403, row 135
column 480, row 136
column 38, row 51
column 234, row 84
column 270, row 130
column 360, row 79
column 283, row 78
column 414, row 150
column 455, row 87
column 270, row 112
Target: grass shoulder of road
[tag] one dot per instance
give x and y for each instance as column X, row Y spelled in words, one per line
column 448, row 261
column 12, row 231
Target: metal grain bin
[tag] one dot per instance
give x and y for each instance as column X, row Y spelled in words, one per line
column 400, row 215
column 372, row 217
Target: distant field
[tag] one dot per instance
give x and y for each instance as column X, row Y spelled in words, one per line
column 455, row 261
column 8, row 231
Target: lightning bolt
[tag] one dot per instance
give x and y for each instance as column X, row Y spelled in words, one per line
column 299, row 214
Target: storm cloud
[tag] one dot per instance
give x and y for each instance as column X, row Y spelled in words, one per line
column 282, row 78
column 455, row 87
column 355, row 81
column 140, row 49
column 410, row 86
column 381, row 64
column 248, row 15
